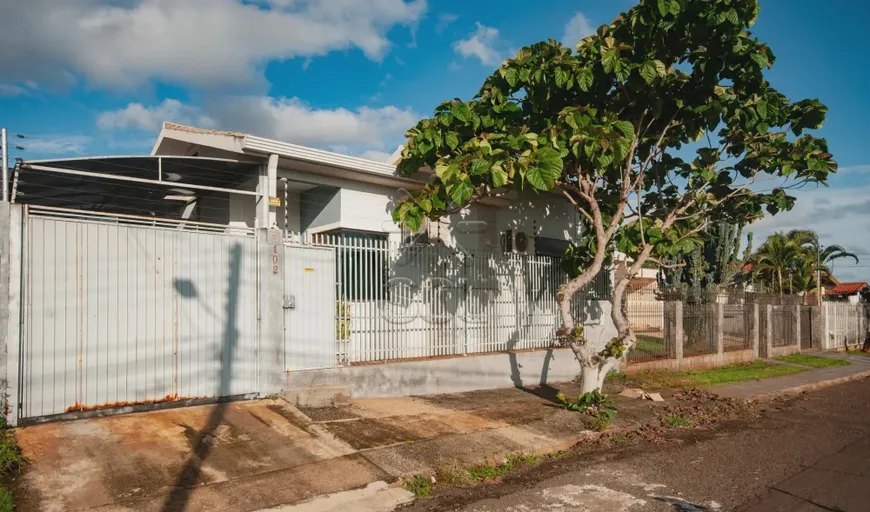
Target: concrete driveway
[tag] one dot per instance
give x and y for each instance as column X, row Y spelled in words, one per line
column 153, row 461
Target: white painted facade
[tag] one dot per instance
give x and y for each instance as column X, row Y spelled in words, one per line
column 327, row 192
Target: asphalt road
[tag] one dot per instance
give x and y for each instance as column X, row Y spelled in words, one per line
column 809, row 454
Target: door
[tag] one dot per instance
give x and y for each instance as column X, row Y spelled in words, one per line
column 309, row 308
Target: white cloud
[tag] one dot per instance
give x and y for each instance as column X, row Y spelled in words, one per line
column 576, row 29
column 124, row 43
column 291, row 120
column 363, row 131
column 483, row 44
column 55, row 145
column 839, row 215
column 12, row 90
column 856, row 169
column 444, row 21
column 377, row 156
column 137, row 116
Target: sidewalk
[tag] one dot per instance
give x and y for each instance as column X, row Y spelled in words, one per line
column 799, row 382
column 249, row 456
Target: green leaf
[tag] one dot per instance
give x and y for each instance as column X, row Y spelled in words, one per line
column 584, row 79
column 708, row 155
column 661, row 69
column 561, row 77
column 762, row 109
column 511, row 75
column 478, row 166
column 626, row 128
column 452, row 140
column 446, row 171
column 499, row 176
column 610, row 60
column 761, row 59
column 817, row 165
column 664, row 7
column 731, row 15
column 425, row 204
column 648, row 72
column 547, row 168
column 462, row 112
column 460, row 191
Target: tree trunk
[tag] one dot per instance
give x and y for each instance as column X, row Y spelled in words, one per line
column 779, row 278
column 591, row 378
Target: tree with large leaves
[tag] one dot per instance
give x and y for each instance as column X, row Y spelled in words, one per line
column 607, row 128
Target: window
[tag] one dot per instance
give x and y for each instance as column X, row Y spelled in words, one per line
column 552, row 247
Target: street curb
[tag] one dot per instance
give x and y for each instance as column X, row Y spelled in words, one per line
column 796, row 390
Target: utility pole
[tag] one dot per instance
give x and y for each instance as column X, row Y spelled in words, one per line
column 5, row 151
column 819, row 273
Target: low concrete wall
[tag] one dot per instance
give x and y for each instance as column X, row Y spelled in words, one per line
column 447, row 375
column 694, row 362
column 783, row 351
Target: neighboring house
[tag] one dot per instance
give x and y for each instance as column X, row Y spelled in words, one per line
column 853, row 293
column 621, row 263
column 337, row 194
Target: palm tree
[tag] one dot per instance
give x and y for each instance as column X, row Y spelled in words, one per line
column 776, row 256
column 799, row 254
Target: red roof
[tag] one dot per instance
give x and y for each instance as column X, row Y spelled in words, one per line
column 747, row 267
column 847, row 289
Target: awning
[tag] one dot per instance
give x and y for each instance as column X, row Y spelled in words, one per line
column 138, row 185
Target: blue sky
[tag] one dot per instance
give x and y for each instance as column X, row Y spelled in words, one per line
column 94, row 77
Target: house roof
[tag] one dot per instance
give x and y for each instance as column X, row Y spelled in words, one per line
column 848, row 289
column 252, row 144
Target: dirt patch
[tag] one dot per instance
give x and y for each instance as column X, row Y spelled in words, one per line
column 370, row 433
column 329, row 413
column 707, row 414
column 482, row 399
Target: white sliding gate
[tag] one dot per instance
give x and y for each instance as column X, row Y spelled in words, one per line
column 124, row 310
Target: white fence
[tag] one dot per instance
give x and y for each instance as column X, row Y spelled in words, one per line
column 845, row 325
column 119, row 310
column 413, row 301
column 122, row 310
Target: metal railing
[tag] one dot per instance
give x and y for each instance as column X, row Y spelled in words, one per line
column 737, row 326
column 406, row 301
column 783, row 326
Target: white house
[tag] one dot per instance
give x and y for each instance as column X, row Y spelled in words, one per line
column 225, row 264
column 328, row 192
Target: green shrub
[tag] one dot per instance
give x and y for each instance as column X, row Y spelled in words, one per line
column 7, row 504
column 677, row 421
column 597, row 405
column 418, row 485
column 11, row 459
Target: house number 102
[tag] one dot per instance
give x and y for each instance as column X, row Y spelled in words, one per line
column 275, row 260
